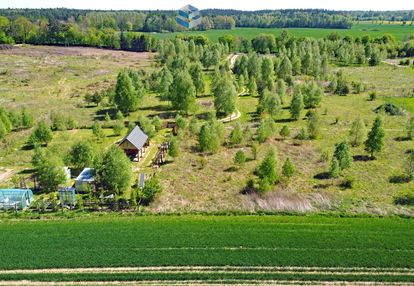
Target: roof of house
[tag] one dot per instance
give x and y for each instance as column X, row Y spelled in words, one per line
column 136, row 137
column 87, row 175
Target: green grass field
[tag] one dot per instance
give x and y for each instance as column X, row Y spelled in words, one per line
column 358, row 30
column 209, row 248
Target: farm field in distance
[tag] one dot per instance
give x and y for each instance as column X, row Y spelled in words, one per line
column 400, row 32
column 226, row 249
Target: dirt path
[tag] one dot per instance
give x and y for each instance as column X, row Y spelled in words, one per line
column 222, row 269
column 7, row 174
column 394, row 64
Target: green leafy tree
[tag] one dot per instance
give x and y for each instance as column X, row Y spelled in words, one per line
column 343, row 155
column 268, row 73
column 314, row 129
column 211, row 136
column 225, row 95
column 58, row 122
column 49, row 170
column 182, row 92
column 81, row 155
column 270, row 102
column 174, row 149
column 27, row 120
column 118, row 127
column 267, row 169
column 114, row 171
column 358, row 132
column 157, row 122
column 375, row 140
column 236, row 135
column 41, row 135
column 97, row 131
column 334, row 168
column 165, row 83
column 240, row 158
column 285, row 69
column 196, row 72
column 297, row 105
column 284, row 132
column 265, row 130
column 252, row 86
column 146, row 125
column 312, row 95
column 125, row 98
column 151, row 188
column 288, row 169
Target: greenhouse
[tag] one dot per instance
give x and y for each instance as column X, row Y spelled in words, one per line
column 67, row 197
column 18, row 199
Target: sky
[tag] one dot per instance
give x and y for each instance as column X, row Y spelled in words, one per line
column 203, row 4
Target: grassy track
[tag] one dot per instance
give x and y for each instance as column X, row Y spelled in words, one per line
column 374, row 30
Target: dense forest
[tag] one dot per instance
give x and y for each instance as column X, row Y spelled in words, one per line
column 121, row 29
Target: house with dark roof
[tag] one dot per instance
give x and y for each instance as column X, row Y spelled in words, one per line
column 135, row 144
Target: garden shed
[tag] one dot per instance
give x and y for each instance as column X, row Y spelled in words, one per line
column 135, row 144
column 18, row 199
column 85, row 180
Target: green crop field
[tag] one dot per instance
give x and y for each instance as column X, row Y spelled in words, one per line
column 229, row 248
column 374, row 30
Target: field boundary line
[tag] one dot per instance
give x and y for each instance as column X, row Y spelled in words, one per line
column 202, row 283
column 221, row 269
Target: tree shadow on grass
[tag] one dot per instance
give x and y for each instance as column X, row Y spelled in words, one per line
column 231, row 169
column 101, row 113
column 322, row 176
column 402, row 138
column 400, row 179
column 322, row 186
column 409, row 151
column 362, row 158
column 284, row 120
column 26, row 172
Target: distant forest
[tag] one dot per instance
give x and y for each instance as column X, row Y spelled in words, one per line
column 115, row 29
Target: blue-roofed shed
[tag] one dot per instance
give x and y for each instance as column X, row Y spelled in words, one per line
column 18, row 199
column 85, row 180
column 135, row 144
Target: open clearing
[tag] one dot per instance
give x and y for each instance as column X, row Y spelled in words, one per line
column 182, row 250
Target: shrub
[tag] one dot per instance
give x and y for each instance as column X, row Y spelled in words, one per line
column 404, row 198
column 372, row 96
column 288, row 169
column 149, row 191
column 389, row 109
column 302, row 135
column 240, row 158
column 334, row 168
column 348, row 183
column 284, row 132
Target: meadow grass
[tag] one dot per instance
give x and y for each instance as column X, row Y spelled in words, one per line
column 400, row 32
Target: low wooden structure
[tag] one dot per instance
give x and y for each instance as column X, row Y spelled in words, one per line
column 161, row 154
column 135, row 144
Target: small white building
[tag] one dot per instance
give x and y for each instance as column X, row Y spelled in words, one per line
column 85, row 180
